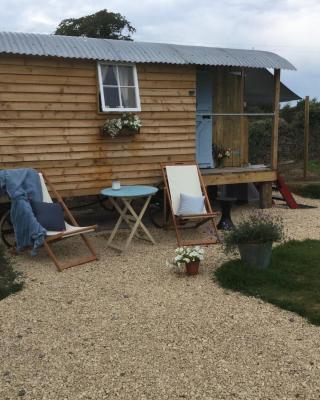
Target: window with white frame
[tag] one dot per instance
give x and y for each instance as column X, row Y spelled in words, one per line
column 119, row 89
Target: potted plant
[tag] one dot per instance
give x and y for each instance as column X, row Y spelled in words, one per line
column 220, row 154
column 127, row 125
column 191, row 257
column 254, row 237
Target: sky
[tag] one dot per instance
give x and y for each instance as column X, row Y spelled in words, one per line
column 290, row 28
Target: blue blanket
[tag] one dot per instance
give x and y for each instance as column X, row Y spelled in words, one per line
column 21, row 185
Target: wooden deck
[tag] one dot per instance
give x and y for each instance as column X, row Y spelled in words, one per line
column 233, row 175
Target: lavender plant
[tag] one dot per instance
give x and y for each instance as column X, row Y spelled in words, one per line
column 259, row 227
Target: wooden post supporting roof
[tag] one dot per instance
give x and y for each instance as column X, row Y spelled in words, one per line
column 306, row 136
column 275, row 128
column 244, row 135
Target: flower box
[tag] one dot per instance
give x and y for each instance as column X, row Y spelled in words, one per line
column 123, row 133
column 125, row 126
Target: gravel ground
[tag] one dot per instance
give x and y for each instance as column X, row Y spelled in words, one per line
column 128, row 327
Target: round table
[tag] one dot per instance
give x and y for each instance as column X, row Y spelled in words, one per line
column 124, row 196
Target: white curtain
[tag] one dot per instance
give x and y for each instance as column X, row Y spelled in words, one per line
column 128, row 97
column 126, row 76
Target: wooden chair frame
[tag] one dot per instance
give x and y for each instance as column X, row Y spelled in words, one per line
column 63, row 235
column 198, row 219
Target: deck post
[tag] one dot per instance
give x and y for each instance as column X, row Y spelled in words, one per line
column 306, row 137
column 275, row 128
column 266, row 195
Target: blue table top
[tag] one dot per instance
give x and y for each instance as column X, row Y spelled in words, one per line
column 130, row 191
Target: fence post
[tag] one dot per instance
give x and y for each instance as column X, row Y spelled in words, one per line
column 275, row 128
column 306, row 137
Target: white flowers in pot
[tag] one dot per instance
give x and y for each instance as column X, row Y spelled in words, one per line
column 185, row 255
column 190, row 257
column 128, row 123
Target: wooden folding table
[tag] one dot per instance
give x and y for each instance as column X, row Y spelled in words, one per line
column 122, row 199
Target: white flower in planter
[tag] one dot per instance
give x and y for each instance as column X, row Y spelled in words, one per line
column 185, row 255
column 130, row 122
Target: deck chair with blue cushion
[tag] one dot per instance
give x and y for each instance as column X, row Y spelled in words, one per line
column 72, row 229
column 189, row 202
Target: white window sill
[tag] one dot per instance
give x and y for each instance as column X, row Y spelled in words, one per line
column 121, row 110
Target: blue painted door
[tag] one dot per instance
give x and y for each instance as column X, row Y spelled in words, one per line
column 204, row 100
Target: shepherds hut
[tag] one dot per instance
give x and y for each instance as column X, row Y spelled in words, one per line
column 56, row 92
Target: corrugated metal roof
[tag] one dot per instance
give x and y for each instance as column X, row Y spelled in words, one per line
column 136, row 52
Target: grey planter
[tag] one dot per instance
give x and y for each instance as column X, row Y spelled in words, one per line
column 256, row 254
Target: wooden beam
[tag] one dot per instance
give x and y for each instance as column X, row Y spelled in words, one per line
column 275, row 128
column 227, row 177
column 306, row 136
column 237, row 114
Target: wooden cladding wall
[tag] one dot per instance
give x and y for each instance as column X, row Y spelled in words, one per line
column 49, row 120
column 230, row 132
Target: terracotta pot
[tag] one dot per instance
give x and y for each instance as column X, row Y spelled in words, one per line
column 192, row 268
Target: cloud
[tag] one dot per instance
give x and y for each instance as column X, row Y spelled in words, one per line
column 287, row 27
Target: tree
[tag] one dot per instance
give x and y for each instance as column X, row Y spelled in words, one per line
column 102, row 24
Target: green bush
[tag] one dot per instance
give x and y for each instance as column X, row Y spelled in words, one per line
column 311, row 191
column 290, row 133
column 259, row 227
column 10, row 280
column 314, row 167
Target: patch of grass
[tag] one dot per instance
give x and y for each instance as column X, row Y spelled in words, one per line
column 311, row 190
column 292, row 281
column 314, row 167
column 10, row 280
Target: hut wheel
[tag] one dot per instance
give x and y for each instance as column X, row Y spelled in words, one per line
column 6, row 229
